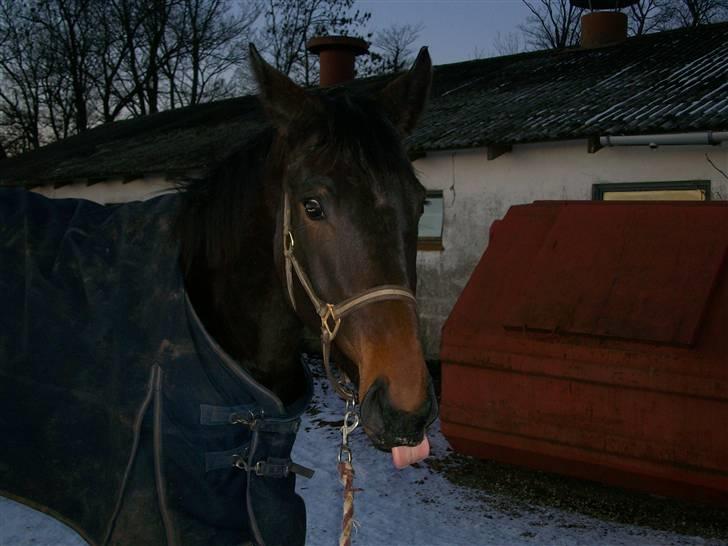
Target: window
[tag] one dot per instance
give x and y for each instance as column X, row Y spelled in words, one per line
column 430, row 228
column 694, row 190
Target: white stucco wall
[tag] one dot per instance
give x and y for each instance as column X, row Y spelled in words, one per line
column 112, row 191
column 477, row 191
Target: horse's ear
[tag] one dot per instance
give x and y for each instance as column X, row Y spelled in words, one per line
column 405, row 97
column 282, row 99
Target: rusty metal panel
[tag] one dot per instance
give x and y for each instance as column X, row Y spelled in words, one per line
column 592, row 340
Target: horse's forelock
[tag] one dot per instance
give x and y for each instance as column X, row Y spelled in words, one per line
column 353, row 129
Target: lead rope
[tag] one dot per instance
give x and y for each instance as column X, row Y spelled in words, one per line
column 346, row 472
column 351, row 421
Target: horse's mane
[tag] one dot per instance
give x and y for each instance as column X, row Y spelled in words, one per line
column 218, row 213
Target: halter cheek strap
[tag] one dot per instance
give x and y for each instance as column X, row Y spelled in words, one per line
column 331, row 314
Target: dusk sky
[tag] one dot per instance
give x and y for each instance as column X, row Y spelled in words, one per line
column 453, row 29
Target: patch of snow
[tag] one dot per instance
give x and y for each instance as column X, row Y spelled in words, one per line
column 23, row 526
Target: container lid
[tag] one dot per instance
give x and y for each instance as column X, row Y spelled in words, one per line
column 631, row 271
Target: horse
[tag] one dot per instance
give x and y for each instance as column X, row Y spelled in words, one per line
column 169, row 416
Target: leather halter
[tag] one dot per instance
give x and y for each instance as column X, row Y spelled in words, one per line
column 331, row 314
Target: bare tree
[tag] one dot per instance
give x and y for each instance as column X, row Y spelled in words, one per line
column 395, row 46
column 646, row 16
column 70, row 27
column 211, row 39
column 21, row 74
column 510, row 43
column 153, row 52
column 66, row 65
column 289, row 24
column 145, row 48
column 656, row 15
column 552, row 24
column 111, row 51
column 692, row 13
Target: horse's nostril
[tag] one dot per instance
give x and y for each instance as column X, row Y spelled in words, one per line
column 388, row 426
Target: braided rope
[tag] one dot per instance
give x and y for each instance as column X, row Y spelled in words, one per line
column 346, row 476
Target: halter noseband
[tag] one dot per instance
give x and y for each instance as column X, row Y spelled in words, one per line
column 331, row 314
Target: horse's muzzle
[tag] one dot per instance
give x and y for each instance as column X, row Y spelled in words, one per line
column 389, row 427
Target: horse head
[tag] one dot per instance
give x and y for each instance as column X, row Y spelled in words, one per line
column 348, row 205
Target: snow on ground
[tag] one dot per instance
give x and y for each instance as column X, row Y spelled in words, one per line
column 415, row 506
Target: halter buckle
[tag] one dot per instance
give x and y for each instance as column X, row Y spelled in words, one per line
column 326, row 322
column 288, row 242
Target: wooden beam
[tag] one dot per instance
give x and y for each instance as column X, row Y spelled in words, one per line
column 496, row 150
column 593, row 145
column 60, row 183
column 95, row 180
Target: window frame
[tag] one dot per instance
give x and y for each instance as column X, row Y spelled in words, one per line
column 599, row 189
column 433, row 243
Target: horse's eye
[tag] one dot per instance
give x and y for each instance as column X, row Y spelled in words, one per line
column 313, row 209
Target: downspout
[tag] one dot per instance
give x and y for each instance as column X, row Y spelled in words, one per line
column 653, row 141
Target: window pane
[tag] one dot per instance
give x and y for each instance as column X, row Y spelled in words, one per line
column 431, row 221
column 667, row 190
column 655, row 195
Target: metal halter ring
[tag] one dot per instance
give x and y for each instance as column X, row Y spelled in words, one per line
column 288, row 242
column 330, row 315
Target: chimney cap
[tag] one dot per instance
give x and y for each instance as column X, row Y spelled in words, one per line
column 321, row 43
column 603, row 4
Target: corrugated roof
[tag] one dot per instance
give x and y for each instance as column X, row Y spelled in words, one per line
column 668, row 82
column 173, row 143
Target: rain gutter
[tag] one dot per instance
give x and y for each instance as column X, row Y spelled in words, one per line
column 653, row 141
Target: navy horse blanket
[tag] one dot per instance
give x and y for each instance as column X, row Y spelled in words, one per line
column 119, row 414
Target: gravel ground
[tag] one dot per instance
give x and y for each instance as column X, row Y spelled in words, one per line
column 528, row 490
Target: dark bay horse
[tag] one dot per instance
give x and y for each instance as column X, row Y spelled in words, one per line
column 313, row 224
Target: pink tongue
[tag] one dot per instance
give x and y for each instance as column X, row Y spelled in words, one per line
column 403, row 456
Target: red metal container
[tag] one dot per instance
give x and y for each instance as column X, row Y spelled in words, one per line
column 592, row 340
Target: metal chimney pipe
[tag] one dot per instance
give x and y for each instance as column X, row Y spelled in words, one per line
column 336, row 57
column 601, row 28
